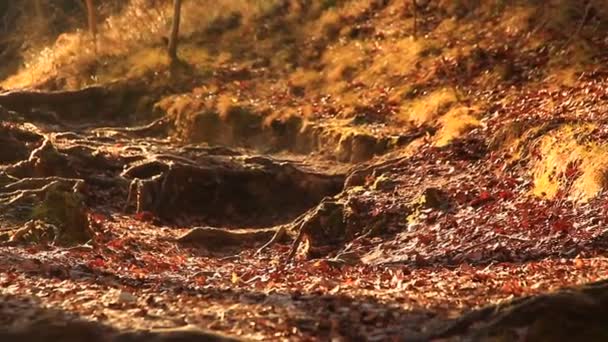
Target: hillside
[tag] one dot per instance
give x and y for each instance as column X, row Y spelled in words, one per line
column 309, row 170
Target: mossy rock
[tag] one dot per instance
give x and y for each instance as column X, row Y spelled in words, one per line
column 330, row 223
column 384, row 183
column 434, row 198
column 233, row 125
column 285, row 132
column 65, row 211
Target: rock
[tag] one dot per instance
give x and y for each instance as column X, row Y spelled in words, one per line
column 384, row 183
column 67, row 211
column 435, row 199
column 125, row 297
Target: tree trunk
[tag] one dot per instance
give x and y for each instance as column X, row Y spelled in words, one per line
column 415, row 9
column 173, row 39
column 92, row 19
column 40, row 17
column 38, row 9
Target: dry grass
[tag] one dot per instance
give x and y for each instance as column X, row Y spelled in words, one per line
column 566, row 68
column 428, row 107
column 350, row 69
column 570, row 164
column 517, row 19
column 305, row 78
column 328, row 24
column 567, row 76
column 457, row 121
column 343, row 61
column 132, row 33
column 396, row 58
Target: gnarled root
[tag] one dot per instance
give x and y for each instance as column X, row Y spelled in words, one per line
column 28, row 188
column 325, row 221
column 566, row 315
column 214, row 238
column 280, row 234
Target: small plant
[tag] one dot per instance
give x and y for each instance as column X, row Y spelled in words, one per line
column 327, row 4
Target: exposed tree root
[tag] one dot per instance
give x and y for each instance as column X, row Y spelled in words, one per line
column 214, row 238
column 15, row 144
column 35, row 230
column 324, row 224
column 109, row 100
column 33, row 183
column 568, row 314
column 157, row 127
column 185, row 334
column 25, row 100
column 43, row 161
column 60, row 329
column 217, row 185
column 54, row 203
column 25, row 189
column 280, row 234
column 358, row 175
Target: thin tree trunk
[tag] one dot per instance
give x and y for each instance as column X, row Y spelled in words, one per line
column 415, row 9
column 92, row 18
column 173, row 39
column 38, row 8
column 40, row 17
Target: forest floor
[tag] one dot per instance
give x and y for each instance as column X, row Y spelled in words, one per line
column 437, row 188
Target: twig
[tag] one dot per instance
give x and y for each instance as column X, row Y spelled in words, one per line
column 512, row 237
column 296, row 243
column 488, row 240
column 16, row 196
column 278, row 235
column 454, row 87
column 581, row 24
column 28, row 183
